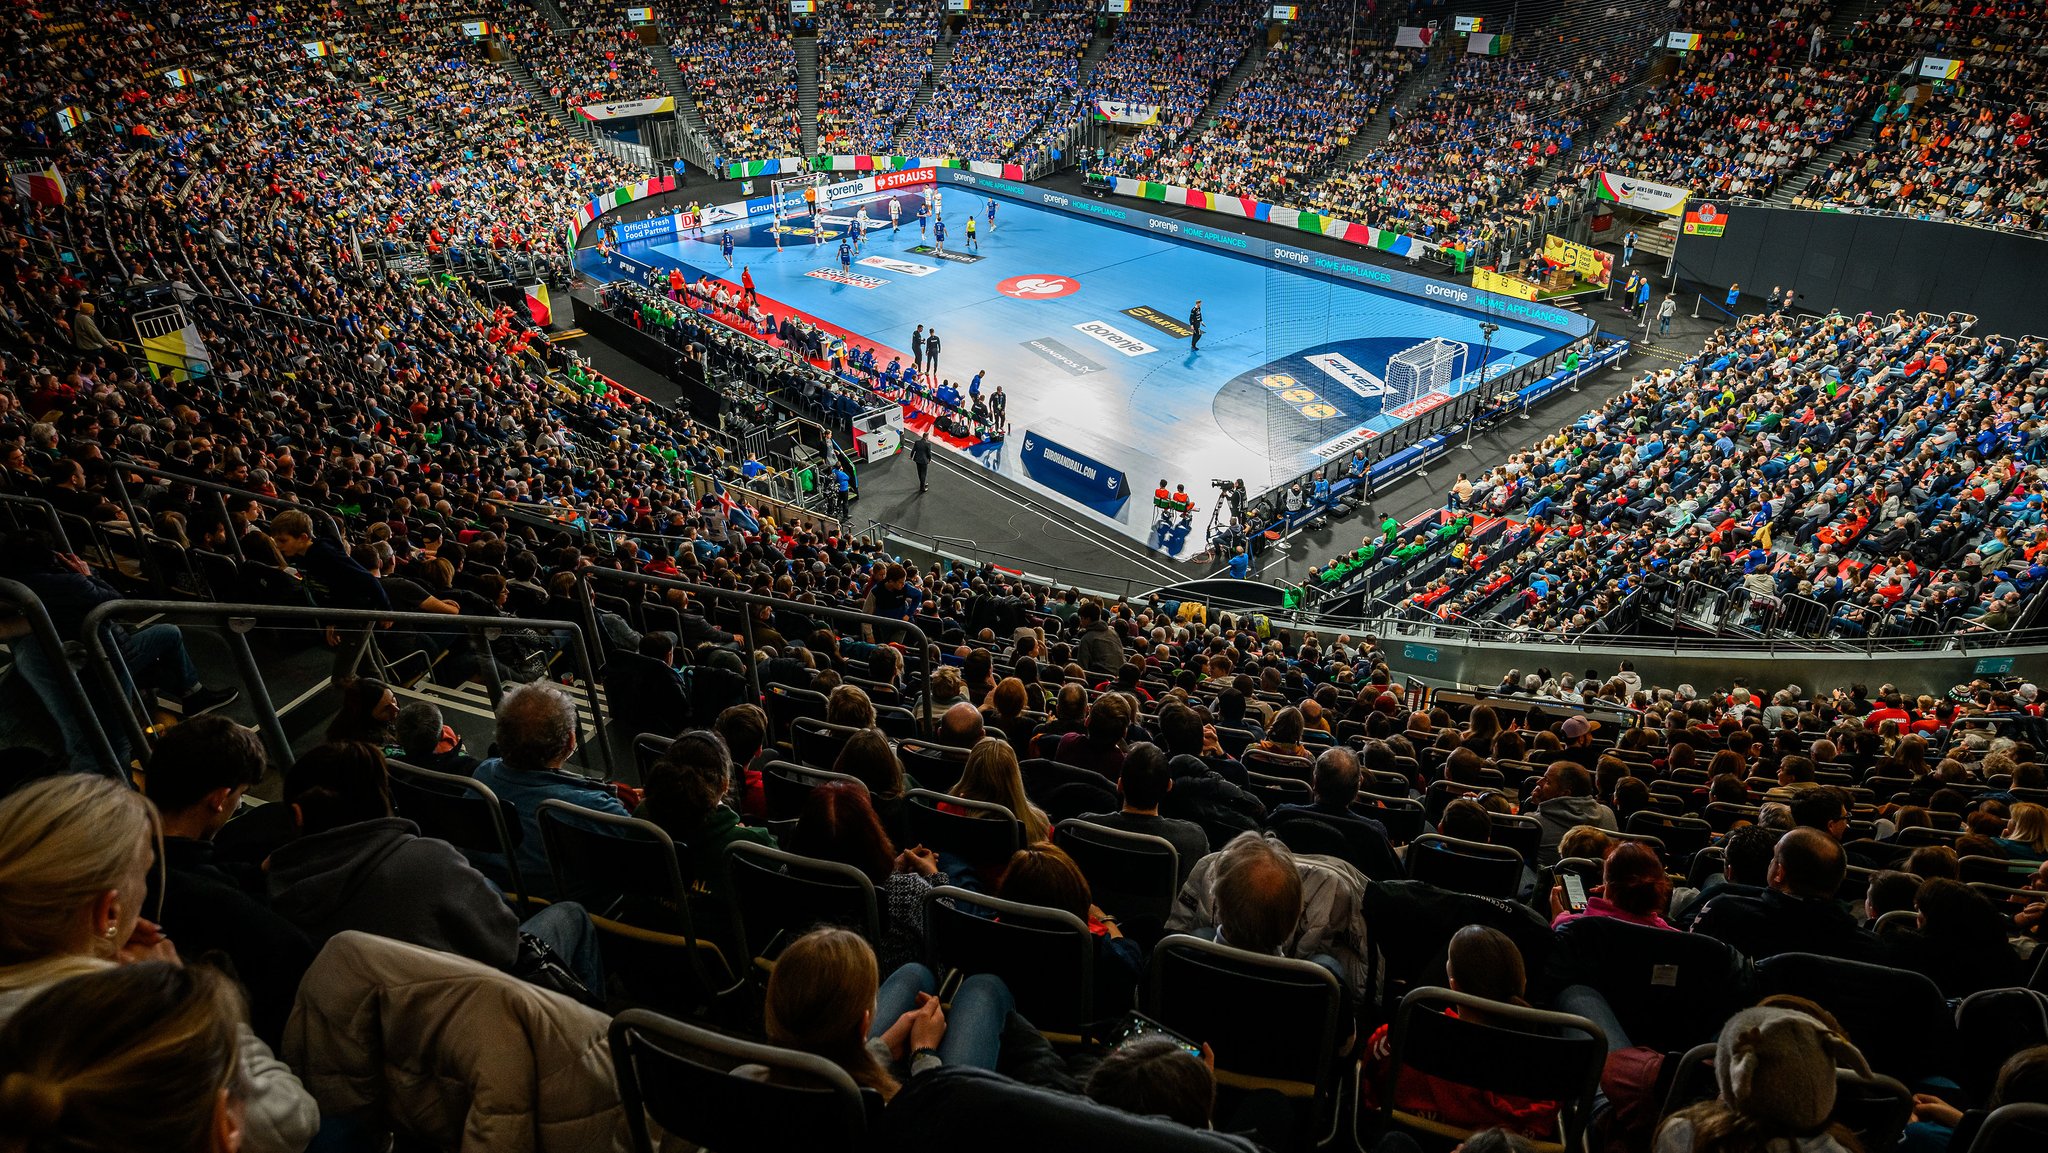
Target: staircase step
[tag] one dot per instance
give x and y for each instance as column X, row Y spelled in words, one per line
column 807, row 90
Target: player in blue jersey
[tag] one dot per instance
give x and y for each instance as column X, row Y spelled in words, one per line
column 845, row 254
column 725, row 246
column 924, row 215
column 991, row 216
column 939, row 234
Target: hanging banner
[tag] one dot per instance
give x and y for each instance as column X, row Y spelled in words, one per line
column 1409, row 37
column 1488, row 281
column 1592, row 265
column 1937, row 68
column 623, row 109
column 1643, row 194
column 1706, row 220
column 1124, row 112
column 1684, row 41
column 1488, row 44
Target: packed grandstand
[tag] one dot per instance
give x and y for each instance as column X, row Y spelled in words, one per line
column 454, row 699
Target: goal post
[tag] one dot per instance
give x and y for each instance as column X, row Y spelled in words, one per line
column 1424, row 368
column 788, row 193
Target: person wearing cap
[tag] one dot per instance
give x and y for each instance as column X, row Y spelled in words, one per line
column 1577, row 732
column 1775, row 1068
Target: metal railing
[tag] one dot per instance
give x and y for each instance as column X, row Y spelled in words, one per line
column 712, row 594
column 56, row 665
column 237, row 621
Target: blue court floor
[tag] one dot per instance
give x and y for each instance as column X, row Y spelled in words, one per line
column 1083, row 324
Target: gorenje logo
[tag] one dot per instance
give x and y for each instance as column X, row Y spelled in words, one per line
column 1056, row 198
column 1290, row 255
column 1114, row 337
column 1158, row 225
column 1038, row 286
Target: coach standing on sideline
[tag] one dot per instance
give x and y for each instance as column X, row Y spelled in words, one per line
column 921, row 456
column 931, row 352
column 1195, row 326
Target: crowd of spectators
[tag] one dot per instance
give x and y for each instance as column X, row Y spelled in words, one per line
column 742, row 72
column 1958, row 149
column 180, row 969
column 1480, row 149
column 1765, row 94
column 1170, row 57
column 1277, row 134
column 1016, row 63
column 595, row 60
column 1886, row 473
column 872, row 57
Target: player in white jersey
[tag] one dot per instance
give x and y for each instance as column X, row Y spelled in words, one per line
column 895, row 215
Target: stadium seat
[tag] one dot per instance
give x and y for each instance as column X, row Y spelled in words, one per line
column 1898, row 1018
column 977, row 832
column 785, row 787
column 1132, row 876
column 1274, row 1023
column 626, row 874
column 465, row 813
column 1669, row 990
column 816, row 743
column 778, row 896
column 681, row 1077
column 1526, row 1053
column 1466, row 866
column 2015, row 1128
column 1045, row 956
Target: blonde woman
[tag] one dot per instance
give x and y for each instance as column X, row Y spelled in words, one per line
column 992, row 775
column 2026, row 832
column 75, row 857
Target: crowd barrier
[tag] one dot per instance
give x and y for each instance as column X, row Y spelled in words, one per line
column 798, row 165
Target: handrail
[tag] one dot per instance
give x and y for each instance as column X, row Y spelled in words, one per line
column 585, row 577
column 49, row 511
column 239, row 619
column 220, row 492
column 83, row 714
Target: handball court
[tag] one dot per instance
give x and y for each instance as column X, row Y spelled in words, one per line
column 1083, row 324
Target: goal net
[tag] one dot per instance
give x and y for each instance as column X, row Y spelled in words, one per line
column 1427, row 367
column 789, row 193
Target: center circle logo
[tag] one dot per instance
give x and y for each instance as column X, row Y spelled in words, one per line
column 1039, row 286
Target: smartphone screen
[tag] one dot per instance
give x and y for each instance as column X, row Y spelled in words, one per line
column 1574, row 893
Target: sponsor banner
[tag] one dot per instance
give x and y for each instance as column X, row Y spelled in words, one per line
column 661, row 226
column 1644, row 194
column 891, row 264
column 1171, row 325
column 1409, row 36
column 1037, row 286
column 1284, row 13
column 1706, row 220
column 1427, row 401
column 639, row 15
column 1074, row 473
column 1494, row 282
column 1066, row 359
column 1346, row 372
column 1360, row 234
column 850, row 279
column 1387, row 279
column 1684, row 41
column 1938, row 68
column 955, row 257
column 1589, row 264
column 1488, row 44
column 1344, row 444
column 478, row 29
column 624, row 109
column 1125, row 112
column 1468, row 23
column 907, row 178
column 1114, row 337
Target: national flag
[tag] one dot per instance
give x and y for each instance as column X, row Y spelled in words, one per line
column 41, row 186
